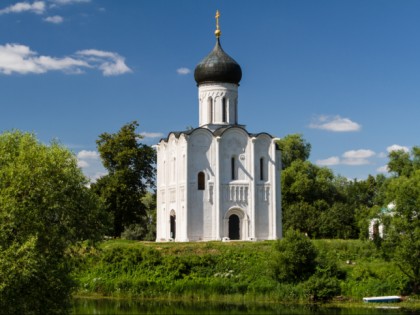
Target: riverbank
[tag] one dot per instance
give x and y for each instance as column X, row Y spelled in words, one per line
column 226, row 272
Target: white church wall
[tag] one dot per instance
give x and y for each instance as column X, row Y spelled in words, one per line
column 200, row 153
column 263, row 190
column 234, row 144
column 236, row 179
column 171, row 187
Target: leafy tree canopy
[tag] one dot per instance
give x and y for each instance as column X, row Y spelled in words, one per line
column 403, row 163
column 45, row 209
column 403, row 234
column 307, row 192
column 131, row 173
column 293, row 147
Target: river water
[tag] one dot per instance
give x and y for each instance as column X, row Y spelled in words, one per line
column 113, row 306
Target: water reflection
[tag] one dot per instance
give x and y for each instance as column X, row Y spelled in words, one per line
column 113, row 306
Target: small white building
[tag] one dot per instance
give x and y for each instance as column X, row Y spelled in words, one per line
column 218, row 181
column 376, row 225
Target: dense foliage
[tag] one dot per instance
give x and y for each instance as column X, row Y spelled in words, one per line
column 314, row 200
column 295, row 259
column 402, row 239
column 322, row 204
column 131, row 173
column 235, row 271
column 45, row 209
column 293, row 147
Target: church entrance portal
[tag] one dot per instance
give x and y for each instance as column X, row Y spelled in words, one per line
column 234, row 232
column 173, row 225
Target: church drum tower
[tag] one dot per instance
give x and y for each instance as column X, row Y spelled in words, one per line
column 218, row 181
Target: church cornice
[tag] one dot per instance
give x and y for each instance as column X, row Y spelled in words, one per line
column 219, row 132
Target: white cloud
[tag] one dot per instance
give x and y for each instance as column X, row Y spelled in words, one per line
column 151, row 135
column 82, row 164
column 56, row 19
column 352, row 157
column 357, row 157
column 358, row 154
column 396, row 147
column 37, row 7
column 334, row 160
column 90, row 164
column 109, row 62
column 383, row 169
column 21, row 59
column 335, row 124
column 354, row 162
column 85, row 154
column 183, row 71
column 16, row 58
column 95, row 176
column 64, row 2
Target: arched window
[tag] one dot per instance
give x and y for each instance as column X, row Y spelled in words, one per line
column 201, row 181
column 234, row 172
column 262, row 175
column 224, row 110
column 210, row 110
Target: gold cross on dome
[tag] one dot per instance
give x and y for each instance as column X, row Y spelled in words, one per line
column 217, row 32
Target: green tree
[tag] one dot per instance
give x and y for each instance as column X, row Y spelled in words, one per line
column 45, row 210
column 403, row 233
column 403, row 163
column 131, row 173
column 362, row 199
column 307, row 192
column 293, row 147
column 338, row 221
column 295, row 259
column 324, row 284
column 140, row 231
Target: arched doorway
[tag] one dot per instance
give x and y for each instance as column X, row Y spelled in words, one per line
column 172, row 220
column 235, row 224
column 234, row 227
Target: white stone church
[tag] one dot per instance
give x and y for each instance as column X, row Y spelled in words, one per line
column 218, row 181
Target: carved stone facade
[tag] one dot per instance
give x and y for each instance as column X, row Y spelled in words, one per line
column 212, row 177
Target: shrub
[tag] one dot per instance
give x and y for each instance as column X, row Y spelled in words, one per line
column 296, row 258
column 134, row 232
column 320, row 287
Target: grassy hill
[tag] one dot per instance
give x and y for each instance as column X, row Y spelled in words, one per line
column 233, row 271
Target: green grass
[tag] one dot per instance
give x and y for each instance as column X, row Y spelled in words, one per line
column 231, row 271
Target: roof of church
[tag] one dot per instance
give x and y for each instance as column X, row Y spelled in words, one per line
column 218, row 66
column 217, row 133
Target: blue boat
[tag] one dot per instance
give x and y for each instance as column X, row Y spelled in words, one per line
column 382, row 299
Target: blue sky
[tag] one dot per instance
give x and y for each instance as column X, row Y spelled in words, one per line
column 345, row 74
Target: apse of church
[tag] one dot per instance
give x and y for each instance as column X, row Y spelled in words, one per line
column 218, row 181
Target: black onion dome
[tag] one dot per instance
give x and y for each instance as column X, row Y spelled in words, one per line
column 218, row 66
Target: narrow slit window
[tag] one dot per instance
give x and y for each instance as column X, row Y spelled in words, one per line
column 210, row 110
column 224, row 110
column 233, row 168
column 201, row 181
column 262, row 169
